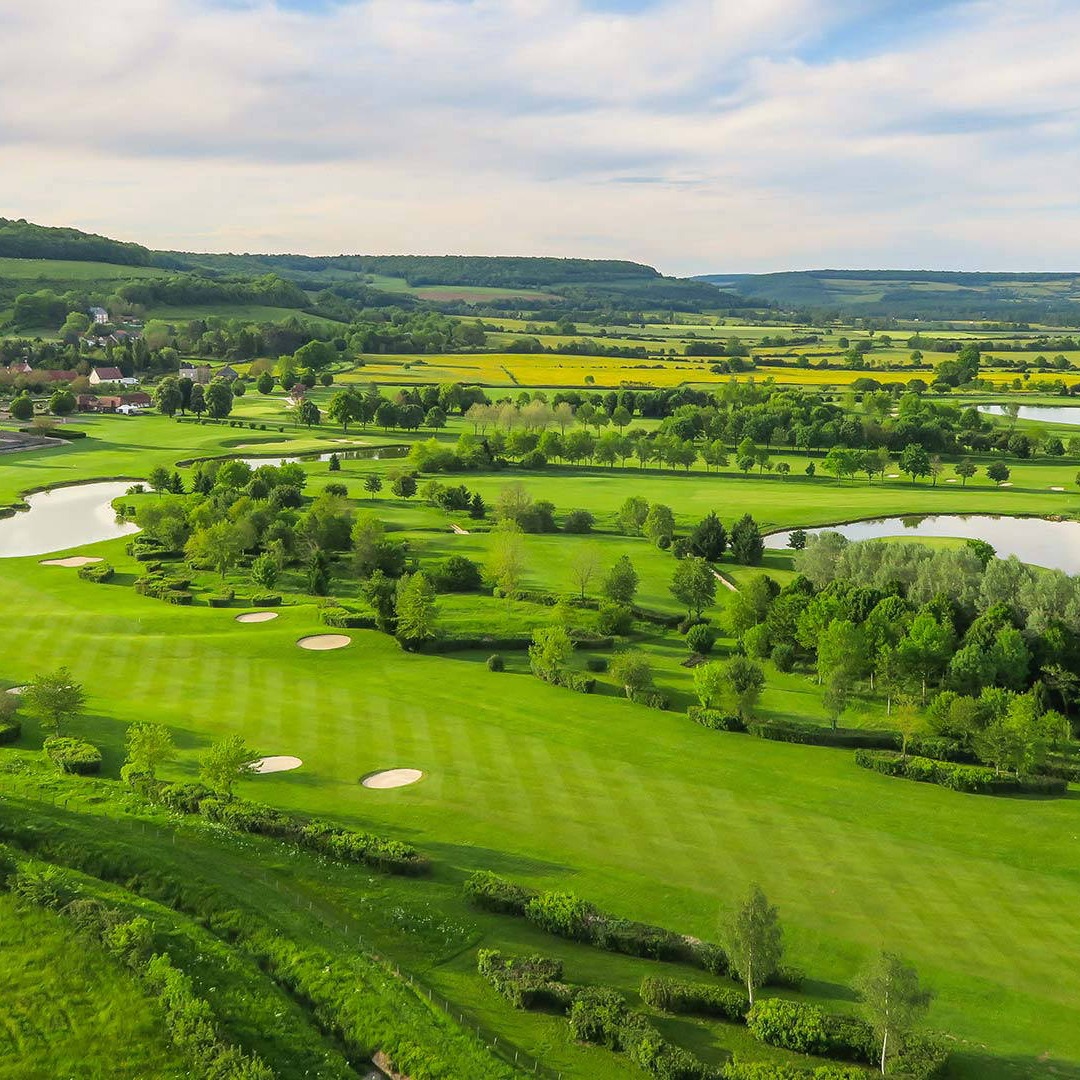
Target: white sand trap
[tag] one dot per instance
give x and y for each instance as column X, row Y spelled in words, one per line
column 458, row 529
column 324, row 642
column 391, row 778
column 257, row 616
column 1005, row 483
column 279, row 763
column 15, row 690
column 1057, row 489
column 71, row 560
column 894, row 476
column 951, row 480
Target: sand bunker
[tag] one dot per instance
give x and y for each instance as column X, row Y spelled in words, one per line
column 1057, row 489
column 950, row 481
column 1005, row 483
column 324, row 642
column 894, row 476
column 458, row 529
column 257, row 616
column 279, row 763
column 71, row 560
column 15, row 690
column 391, row 778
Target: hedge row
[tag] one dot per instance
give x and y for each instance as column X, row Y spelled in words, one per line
column 341, row 618
column 812, row 735
column 653, row 699
column 527, row 982
column 73, row 755
column 695, row 999
column 98, row 573
column 268, row 600
column 320, row 836
column 972, row 779
column 577, row 681
column 715, row 720
column 806, row 1029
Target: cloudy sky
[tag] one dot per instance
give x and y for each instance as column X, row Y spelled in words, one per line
column 696, row 135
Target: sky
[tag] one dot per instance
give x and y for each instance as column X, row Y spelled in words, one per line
column 697, row 136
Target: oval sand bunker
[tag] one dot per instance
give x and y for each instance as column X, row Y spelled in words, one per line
column 15, row 690
column 391, row 778
column 324, row 642
column 71, row 560
column 257, row 616
column 278, row 763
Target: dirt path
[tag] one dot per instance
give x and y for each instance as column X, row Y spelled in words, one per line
column 724, row 581
column 458, row 529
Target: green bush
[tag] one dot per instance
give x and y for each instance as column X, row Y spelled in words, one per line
column 343, row 618
column 98, row 573
column 596, row 664
column 184, row 798
column 492, row 893
column 701, row 638
column 970, row 779
column 812, row 735
column 921, row 1057
column 783, row 657
column 697, row 999
column 73, row 755
column 221, row 600
column 267, row 600
column 527, row 982
column 790, row 1025
column 179, row 597
column 653, row 699
column 714, row 719
column 561, row 913
column 615, row 619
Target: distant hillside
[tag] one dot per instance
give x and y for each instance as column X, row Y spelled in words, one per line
column 24, row 240
column 915, row 294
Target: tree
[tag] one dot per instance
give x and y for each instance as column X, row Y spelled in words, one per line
column 893, row 1001
column 965, row 470
column 264, row 571
column 998, row 471
column 744, row 682
column 659, row 524
column 754, row 941
column 926, row 648
column 218, row 546
column 621, row 582
column 708, row 540
column 219, row 398
column 149, row 745
column 583, row 567
column 550, row 650
column 372, row 484
column 914, row 461
column 694, row 585
column 416, row 608
column 55, row 700
column 908, row 721
column 62, row 403
column 632, row 671
column 197, row 401
column 709, row 683
column 632, row 515
column 265, row 383
column 506, row 557
column 167, row 396
column 404, row 486
column 797, row 539
column 22, row 407
column 307, row 413
column 228, row 760
column 747, row 543
column 345, row 407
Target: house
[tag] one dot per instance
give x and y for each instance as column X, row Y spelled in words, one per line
column 228, row 373
column 199, row 375
column 99, row 315
column 87, row 403
column 20, row 367
column 139, row 399
column 105, row 375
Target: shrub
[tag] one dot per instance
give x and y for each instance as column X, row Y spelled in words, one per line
column 922, row 1057
column 597, row 664
column 457, row 574
column 179, row 597
column 184, row 798
column 495, row 662
column 98, row 573
column 561, row 913
column 971, row 779
column 652, row 699
column 714, row 719
column 492, row 893
column 527, row 982
column 615, row 619
column 579, row 521
column 812, row 735
column 698, row 999
column 783, row 657
column 73, row 755
column 220, row 600
column 701, row 638
column 343, row 618
column 790, row 1025
column 267, row 600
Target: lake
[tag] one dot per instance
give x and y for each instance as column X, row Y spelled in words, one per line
column 1043, row 414
column 1053, row 544
column 63, row 518
column 372, row 453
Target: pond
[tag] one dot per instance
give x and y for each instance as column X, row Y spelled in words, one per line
column 369, row 453
column 63, row 518
column 1053, row 544
column 1042, row 414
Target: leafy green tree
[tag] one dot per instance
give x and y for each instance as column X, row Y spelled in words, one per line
column 926, row 648
column 965, row 470
column 218, row 546
column 416, row 609
column 747, row 543
column 708, row 540
column 709, row 683
column 372, row 484
column 998, row 471
column 797, row 539
column 228, row 760
column 744, row 682
column 219, row 398
column 550, row 650
column 62, row 403
column 404, row 486
column 307, row 413
column 506, row 557
column 55, row 700
column 265, row 383
column 632, row 671
column 754, row 940
column 167, row 396
column 264, row 571
column 914, row 461
column 659, row 524
column 693, row 585
column 149, row 746
column 621, row 582
column 22, row 407
column 197, row 401
column 893, row 1001
column 345, row 407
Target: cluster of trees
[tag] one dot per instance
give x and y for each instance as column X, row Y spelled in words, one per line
column 987, row 647
column 181, row 395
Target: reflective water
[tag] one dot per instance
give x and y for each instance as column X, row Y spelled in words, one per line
column 1053, row 544
column 372, row 453
column 1043, row 414
column 63, row 518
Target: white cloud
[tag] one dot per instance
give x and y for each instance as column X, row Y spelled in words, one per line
column 697, row 134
